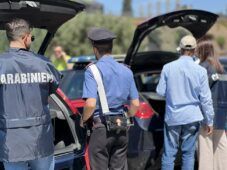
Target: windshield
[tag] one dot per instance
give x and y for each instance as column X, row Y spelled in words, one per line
column 39, row 37
column 163, row 39
column 72, row 84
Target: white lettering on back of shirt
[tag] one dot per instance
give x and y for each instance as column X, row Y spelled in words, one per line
column 26, row 78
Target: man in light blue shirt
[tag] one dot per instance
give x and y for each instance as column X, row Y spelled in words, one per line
column 185, row 86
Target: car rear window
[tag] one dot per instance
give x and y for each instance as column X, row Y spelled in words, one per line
column 72, row 84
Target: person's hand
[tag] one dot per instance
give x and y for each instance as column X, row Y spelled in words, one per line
column 208, row 129
column 63, row 54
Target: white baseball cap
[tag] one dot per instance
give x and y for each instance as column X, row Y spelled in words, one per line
column 188, row 42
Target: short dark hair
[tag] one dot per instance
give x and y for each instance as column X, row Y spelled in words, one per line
column 104, row 48
column 17, row 28
column 186, row 51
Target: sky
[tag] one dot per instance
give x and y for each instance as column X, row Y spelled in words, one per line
column 140, row 7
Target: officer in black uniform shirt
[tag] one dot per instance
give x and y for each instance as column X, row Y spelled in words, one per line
column 26, row 81
column 109, row 139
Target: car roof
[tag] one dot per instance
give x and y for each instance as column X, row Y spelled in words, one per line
column 80, row 62
column 91, row 58
column 223, row 60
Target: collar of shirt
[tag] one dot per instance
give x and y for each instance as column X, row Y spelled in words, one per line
column 106, row 58
column 16, row 49
column 185, row 57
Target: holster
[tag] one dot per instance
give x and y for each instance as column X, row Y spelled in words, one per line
column 114, row 123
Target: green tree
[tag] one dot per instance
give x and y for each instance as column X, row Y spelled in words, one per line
column 4, row 44
column 127, row 8
column 154, row 38
column 73, row 35
column 221, row 41
column 180, row 33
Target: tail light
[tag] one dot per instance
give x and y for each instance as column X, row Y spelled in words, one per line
column 145, row 111
column 67, row 101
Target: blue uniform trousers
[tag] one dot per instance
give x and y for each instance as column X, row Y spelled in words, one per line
column 46, row 163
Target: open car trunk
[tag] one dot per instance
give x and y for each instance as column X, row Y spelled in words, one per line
column 197, row 22
column 43, row 14
column 147, row 66
column 147, row 76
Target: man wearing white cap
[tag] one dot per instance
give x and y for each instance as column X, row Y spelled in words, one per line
column 185, row 86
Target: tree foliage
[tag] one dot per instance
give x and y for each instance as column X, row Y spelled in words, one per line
column 221, row 41
column 73, row 35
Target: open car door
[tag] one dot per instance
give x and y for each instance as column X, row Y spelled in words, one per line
column 43, row 14
column 196, row 21
column 68, row 150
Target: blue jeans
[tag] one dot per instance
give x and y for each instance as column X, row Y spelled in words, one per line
column 46, row 163
column 183, row 137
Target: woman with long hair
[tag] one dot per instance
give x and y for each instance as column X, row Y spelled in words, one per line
column 212, row 148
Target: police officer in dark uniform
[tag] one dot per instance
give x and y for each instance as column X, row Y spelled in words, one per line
column 26, row 81
column 108, row 141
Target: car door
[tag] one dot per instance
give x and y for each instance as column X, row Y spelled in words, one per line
column 68, row 150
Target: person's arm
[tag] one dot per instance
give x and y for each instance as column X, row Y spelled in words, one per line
column 161, row 87
column 90, row 90
column 89, row 108
column 56, row 77
column 134, row 106
column 66, row 59
column 206, row 103
column 134, row 98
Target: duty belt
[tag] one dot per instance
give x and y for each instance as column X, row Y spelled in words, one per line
column 111, row 122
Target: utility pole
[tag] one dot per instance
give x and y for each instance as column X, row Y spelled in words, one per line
column 141, row 11
column 167, row 6
column 226, row 10
column 158, row 7
column 127, row 7
column 149, row 9
column 177, row 5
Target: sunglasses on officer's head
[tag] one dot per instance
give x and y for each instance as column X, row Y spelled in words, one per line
column 33, row 38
